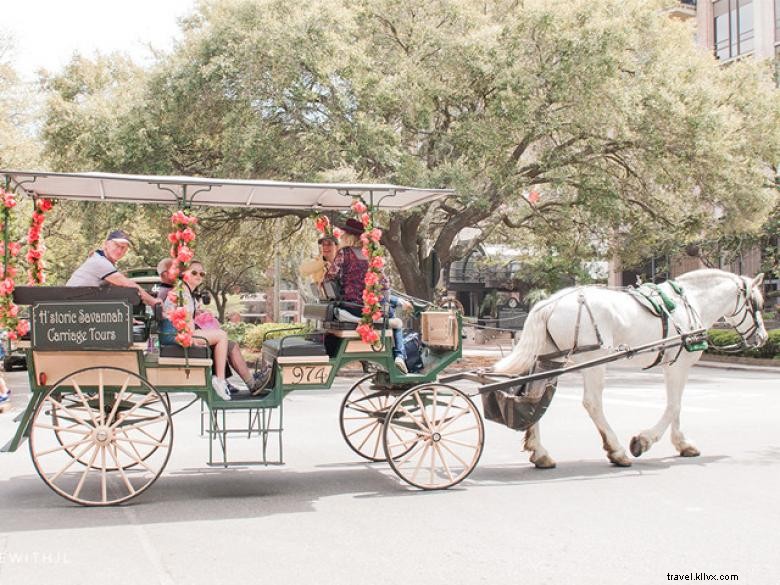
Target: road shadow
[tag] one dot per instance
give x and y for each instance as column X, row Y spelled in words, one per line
column 204, row 493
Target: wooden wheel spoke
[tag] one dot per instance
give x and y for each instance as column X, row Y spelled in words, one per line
column 68, row 465
column 461, row 443
column 378, row 440
column 70, row 429
column 85, row 473
column 75, row 417
column 420, row 461
column 122, row 473
column 443, row 460
column 65, row 447
column 451, row 452
column 413, row 419
column 463, row 412
column 84, row 401
column 137, row 425
column 103, row 478
column 136, row 406
column 141, row 442
column 411, row 453
column 101, row 397
column 422, row 410
column 117, row 401
column 137, row 459
column 459, row 431
column 368, row 436
column 364, row 427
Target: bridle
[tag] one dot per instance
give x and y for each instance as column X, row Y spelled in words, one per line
column 746, row 306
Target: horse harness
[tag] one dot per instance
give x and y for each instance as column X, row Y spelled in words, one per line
column 567, row 353
column 659, row 304
column 744, row 302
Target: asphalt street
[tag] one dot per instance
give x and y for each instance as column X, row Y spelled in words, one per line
column 326, row 517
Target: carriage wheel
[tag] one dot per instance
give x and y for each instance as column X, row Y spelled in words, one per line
column 362, row 417
column 433, row 436
column 64, row 424
column 113, row 422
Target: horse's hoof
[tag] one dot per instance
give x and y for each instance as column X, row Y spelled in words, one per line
column 620, row 460
column 639, row 445
column 690, row 451
column 544, row 462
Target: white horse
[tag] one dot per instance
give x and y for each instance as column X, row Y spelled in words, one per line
column 622, row 321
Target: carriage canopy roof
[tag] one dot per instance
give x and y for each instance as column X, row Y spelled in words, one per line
column 216, row 192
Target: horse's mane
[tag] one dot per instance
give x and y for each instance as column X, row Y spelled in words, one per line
column 705, row 274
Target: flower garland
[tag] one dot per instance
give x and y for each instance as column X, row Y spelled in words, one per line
column 9, row 311
column 180, row 238
column 323, row 226
column 372, row 293
column 36, row 274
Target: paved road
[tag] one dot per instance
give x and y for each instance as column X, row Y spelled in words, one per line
column 327, row 518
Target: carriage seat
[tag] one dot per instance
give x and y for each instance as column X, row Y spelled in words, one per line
column 174, row 355
column 30, row 295
column 294, row 349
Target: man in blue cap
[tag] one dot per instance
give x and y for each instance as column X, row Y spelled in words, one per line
column 100, row 268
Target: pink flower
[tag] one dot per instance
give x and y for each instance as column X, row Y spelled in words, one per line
column 185, row 254
column 7, row 286
column 9, row 200
column 34, row 254
column 13, row 310
column 377, row 315
column 375, row 234
column 366, row 251
column 377, row 262
column 365, row 219
column 23, row 327
column 337, row 233
column 358, row 206
column 187, row 235
column 179, row 217
column 370, row 298
column 12, row 335
column 371, row 278
column 14, row 248
column 184, row 339
column 172, row 238
column 45, row 204
column 321, row 224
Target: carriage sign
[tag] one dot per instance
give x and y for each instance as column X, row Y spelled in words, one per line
column 77, row 325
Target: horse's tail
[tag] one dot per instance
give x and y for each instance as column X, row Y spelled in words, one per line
column 532, row 341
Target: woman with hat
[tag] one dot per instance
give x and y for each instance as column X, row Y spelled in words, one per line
column 349, row 269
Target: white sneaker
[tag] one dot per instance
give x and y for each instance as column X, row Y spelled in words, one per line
column 401, row 364
column 220, row 388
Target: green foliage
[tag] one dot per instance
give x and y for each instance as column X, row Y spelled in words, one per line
column 254, row 336
column 631, row 133
column 721, row 337
column 237, row 331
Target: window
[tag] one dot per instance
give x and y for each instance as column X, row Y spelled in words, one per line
column 734, row 30
column 777, row 21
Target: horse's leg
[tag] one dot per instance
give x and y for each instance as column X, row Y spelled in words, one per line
column 676, row 376
column 539, row 455
column 592, row 401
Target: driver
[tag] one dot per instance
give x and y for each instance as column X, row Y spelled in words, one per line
column 100, row 268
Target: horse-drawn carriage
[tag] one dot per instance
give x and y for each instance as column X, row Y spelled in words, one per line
column 100, row 418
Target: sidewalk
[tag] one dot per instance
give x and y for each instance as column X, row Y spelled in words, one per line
column 487, row 354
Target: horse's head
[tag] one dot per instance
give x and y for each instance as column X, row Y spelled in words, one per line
column 746, row 318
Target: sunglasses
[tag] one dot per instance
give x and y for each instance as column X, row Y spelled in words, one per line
column 196, row 273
